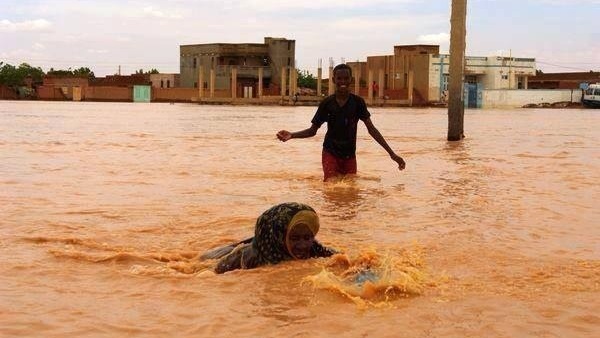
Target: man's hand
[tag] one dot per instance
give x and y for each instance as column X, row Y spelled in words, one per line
column 399, row 160
column 284, row 135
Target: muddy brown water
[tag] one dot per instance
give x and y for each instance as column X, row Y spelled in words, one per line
column 105, row 207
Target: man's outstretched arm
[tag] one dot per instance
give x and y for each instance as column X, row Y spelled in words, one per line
column 284, row 135
column 375, row 134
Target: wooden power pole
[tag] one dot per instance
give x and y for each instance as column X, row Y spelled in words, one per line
column 456, row 107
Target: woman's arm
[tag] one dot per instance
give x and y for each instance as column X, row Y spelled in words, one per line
column 232, row 261
column 318, row 250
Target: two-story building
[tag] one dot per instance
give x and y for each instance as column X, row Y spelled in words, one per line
column 249, row 60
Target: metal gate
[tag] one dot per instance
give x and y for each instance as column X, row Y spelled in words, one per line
column 473, row 95
column 141, row 93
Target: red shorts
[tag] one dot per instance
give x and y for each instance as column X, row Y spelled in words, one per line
column 335, row 166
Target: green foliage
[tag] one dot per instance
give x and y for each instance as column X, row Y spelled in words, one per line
column 15, row 76
column 84, row 71
column 151, row 71
column 306, row 79
column 79, row 72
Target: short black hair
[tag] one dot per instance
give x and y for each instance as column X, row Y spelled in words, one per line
column 342, row 66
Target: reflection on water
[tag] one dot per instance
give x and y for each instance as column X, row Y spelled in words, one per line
column 106, row 206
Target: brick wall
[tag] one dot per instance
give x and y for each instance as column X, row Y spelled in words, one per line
column 106, row 93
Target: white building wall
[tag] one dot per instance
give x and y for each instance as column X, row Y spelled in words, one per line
column 515, row 98
column 495, row 72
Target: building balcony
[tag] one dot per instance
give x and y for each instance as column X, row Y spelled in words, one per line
column 244, row 71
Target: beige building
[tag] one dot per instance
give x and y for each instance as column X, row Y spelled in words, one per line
column 164, row 80
column 246, row 60
column 431, row 71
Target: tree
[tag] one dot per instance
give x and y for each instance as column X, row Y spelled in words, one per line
column 15, row 76
column 306, row 79
column 79, row 72
column 151, row 71
column 84, row 71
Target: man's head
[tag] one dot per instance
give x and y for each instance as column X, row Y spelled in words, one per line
column 342, row 77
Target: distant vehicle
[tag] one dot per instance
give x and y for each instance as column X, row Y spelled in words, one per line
column 591, row 96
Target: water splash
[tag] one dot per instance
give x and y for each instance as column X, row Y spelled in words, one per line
column 372, row 279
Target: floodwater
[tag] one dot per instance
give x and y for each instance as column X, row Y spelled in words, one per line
column 104, row 208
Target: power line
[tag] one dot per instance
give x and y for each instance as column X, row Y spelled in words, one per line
column 91, row 61
column 567, row 67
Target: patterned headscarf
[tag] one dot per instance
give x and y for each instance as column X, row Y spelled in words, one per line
column 271, row 230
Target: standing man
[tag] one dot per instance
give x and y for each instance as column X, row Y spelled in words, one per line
column 341, row 111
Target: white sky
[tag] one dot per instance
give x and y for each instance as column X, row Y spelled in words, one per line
column 562, row 35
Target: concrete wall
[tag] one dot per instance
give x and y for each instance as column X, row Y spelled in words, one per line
column 7, row 93
column 282, row 53
column 421, row 81
column 507, row 98
column 50, row 93
column 107, row 94
column 168, row 80
column 174, row 94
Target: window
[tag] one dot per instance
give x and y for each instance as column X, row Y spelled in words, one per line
column 162, row 84
column 195, row 84
column 168, row 83
column 195, row 62
column 289, row 62
column 504, row 77
column 597, row 91
column 590, row 91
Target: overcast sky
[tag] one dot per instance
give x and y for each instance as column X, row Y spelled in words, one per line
column 562, row 35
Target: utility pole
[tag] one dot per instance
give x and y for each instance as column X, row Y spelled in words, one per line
column 456, row 107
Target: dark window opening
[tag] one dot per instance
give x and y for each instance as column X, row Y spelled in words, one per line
column 162, row 84
column 168, row 83
column 195, row 62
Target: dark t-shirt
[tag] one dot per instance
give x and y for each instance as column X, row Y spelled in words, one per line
column 340, row 139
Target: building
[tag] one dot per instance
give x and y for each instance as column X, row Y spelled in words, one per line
column 164, row 80
column 494, row 72
column 121, row 80
column 563, row 80
column 431, row 70
column 248, row 59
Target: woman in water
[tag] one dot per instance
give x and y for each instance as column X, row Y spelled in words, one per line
column 284, row 232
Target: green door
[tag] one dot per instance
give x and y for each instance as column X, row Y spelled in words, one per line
column 141, row 93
